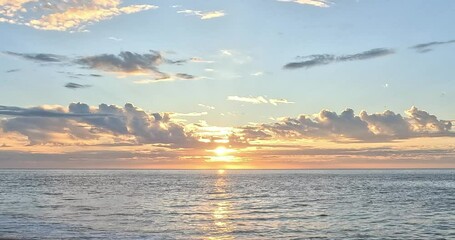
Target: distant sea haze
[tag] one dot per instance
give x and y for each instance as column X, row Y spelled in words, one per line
column 256, row 204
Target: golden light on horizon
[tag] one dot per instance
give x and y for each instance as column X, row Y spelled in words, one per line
column 221, row 171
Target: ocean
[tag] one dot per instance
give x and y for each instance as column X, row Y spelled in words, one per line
column 234, row 204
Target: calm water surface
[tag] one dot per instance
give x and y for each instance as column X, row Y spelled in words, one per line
column 82, row 204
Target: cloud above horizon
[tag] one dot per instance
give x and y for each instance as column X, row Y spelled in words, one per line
column 427, row 47
column 57, row 15
column 315, row 3
column 39, row 57
column 129, row 133
column 73, row 86
column 81, row 124
column 325, row 59
column 259, row 100
column 124, row 64
column 203, row 15
column 347, row 126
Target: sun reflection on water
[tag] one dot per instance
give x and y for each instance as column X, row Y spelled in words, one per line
column 221, row 213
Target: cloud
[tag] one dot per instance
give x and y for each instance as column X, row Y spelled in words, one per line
column 200, row 60
column 44, row 111
column 426, row 47
column 72, row 85
column 384, row 126
column 9, row 8
column 191, row 114
column 253, row 100
column 79, row 75
column 39, row 57
column 184, row 76
column 276, row 101
column 115, row 39
column 226, row 52
column 206, row 106
column 124, row 136
column 324, row 59
column 256, row 74
column 259, row 100
column 169, row 78
column 81, row 123
column 72, row 15
column 12, row 70
column 316, row 3
column 203, row 15
column 124, row 64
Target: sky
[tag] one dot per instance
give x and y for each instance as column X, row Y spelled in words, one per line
column 257, row 84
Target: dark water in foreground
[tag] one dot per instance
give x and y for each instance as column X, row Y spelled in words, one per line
column 398, row 204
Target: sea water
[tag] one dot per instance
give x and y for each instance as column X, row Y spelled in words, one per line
column 285, row 204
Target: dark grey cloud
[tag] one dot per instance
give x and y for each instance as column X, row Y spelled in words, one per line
column 72, row 85
column 426, row 47
column 13, row 70
column 176, row 62
column 324, row 59
column 80, row 75
column 184, row 76
column 39, row 57
column 126, row 61
column 132, row 63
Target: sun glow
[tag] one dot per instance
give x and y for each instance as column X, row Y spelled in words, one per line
column 223, row 154
column 221, row 151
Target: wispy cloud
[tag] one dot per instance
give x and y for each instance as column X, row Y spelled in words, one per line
column 12, row 70
column 253, row 100
column 316, row 3
column 203, row 15
column 115, row 39
column 200, row 60
column 170, row 78
column 276, row 101
column 226, row 52
column 191, row 114
column 426, row 47
column 72, row 85
column 206, row 106
column 324, row 59
column 65, row 15
column 259, row 100
column 39, row 57
column 257, row 74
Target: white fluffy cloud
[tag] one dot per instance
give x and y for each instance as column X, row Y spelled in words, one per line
column 82, row 124
column 384, row 126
